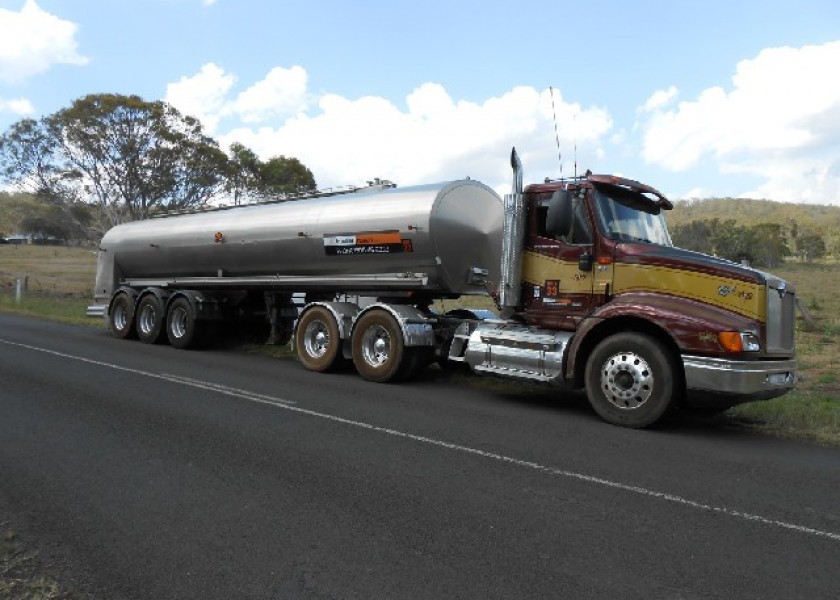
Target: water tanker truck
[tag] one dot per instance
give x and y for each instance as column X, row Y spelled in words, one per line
column 589, row 290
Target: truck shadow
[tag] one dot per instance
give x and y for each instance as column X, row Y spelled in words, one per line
column 682, row 421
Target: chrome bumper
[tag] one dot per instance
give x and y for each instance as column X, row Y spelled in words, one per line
column 747, row 380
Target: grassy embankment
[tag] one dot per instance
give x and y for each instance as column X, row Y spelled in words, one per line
column 59, row 283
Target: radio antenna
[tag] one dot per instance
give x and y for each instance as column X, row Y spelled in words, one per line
column 557, row 135
column 575, row 128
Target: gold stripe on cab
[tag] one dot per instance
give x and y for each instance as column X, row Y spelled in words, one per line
column 738, row 296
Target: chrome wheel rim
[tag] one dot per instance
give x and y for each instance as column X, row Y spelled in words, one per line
column 316, row 339
column 627, row 380
column 147, row 319
column 120, row 317
column 376, row 346
column 178, row 322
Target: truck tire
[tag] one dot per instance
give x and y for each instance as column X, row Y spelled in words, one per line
column 378, row 349
column 317, row 340
column 182, row 329
column 631, row 380
column 150, row 320
column 121, row 317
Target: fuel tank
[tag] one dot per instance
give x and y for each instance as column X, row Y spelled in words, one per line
column 448, row 231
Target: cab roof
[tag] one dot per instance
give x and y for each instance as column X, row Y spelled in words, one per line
column 622, row 183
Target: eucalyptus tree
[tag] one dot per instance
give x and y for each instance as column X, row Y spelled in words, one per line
column 128, row 156
column 243, row 175
column 282, row 175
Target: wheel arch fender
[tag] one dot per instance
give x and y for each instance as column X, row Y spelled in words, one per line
column 159, row 293
column 344, row 313
column 128, row 291
column 593, row 331
column 416, row 326
column 205, row 307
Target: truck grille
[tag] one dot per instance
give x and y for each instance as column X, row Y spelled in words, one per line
column 781, row 317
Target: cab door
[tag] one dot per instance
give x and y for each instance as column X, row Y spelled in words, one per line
column 557, row 269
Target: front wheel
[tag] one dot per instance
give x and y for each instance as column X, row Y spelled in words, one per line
column 631, row 380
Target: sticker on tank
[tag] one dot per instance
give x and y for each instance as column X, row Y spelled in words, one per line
column 374, row 242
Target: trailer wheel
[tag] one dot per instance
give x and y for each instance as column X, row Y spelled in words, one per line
column 150, row 319
column 182, row 329
column 317, row 340
column 630, row 380
column 121, row 317
column 378, row 350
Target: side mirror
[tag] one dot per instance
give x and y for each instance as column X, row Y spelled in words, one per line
column 558, row 221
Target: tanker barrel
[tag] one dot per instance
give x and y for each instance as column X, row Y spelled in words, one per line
column 449, row 232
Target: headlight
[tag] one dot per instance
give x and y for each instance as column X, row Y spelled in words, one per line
column 739, row 341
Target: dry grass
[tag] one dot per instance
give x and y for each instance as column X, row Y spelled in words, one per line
column 19, row 578
column 56, row 270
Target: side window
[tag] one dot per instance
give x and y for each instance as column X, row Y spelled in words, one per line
column 581, row 229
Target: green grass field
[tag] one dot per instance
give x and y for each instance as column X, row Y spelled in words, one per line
column 59, row 283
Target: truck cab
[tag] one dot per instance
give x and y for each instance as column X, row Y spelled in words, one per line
column 608, row 304
column 573, row 232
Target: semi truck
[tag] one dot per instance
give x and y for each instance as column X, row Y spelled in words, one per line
column 588, row 292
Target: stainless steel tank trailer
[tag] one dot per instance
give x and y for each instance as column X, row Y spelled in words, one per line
column 590, row 291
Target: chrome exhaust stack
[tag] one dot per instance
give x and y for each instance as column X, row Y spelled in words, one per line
column 513, row 241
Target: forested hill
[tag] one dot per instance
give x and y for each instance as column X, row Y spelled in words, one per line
column 753, row 212
column 760, row 231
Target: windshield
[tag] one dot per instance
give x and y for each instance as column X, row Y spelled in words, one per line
column 630, row 217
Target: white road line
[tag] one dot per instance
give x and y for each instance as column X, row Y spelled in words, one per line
column 223, row 389
column 204, row 385
column 288, row 405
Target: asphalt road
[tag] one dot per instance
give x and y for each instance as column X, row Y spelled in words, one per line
column 148, row 472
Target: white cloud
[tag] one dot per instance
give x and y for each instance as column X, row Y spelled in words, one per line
column 203, row 95
column 660, row 98
column 434, row 137
column 33, row 40
column 20, row 106
column 206, row 96
column 790, row 179
column 283, row 91
column 780, row 121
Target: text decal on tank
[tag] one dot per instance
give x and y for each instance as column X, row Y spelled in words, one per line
column 373, row 242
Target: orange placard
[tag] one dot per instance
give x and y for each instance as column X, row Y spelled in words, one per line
column 380, row 237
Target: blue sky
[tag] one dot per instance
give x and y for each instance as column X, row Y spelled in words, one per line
column 698, row 99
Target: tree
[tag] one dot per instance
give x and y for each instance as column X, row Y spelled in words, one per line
column 730, row 240
column 810, row 246
column 250, row 178
column 14, row 207
column 768, row 244
column 128, row 156
column 30, row 155
column 694, row 235
column 285, row 175
column 44, row 220
column 243, row 176
column 139, row 156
